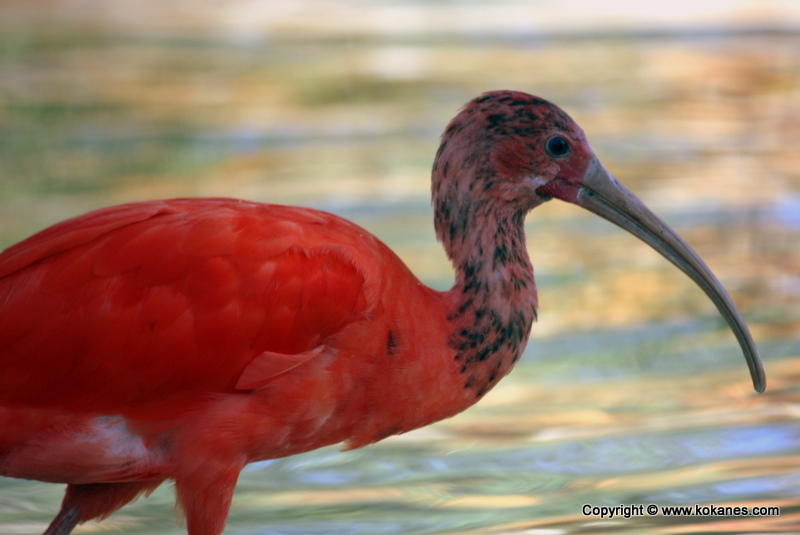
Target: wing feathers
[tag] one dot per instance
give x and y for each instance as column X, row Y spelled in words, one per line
column 130, row 304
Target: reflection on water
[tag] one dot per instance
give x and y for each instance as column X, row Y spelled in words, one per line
column 632, row 391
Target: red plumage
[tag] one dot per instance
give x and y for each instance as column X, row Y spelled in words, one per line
column 186, row 293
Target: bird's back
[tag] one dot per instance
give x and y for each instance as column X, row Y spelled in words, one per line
column 137, row 307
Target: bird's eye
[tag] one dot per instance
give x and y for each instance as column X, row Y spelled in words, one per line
column 557, row 146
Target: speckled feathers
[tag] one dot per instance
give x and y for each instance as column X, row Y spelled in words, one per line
column 492, row 156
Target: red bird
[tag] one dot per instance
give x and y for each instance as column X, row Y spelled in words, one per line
column 183, row 339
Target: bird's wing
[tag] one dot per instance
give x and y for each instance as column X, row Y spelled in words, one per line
column 167, row 300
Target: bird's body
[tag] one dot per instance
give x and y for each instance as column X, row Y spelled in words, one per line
column 170, row 333
column 183, row 339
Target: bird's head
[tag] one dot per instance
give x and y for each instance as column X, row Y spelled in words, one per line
column 507, row 152
column 503, row 150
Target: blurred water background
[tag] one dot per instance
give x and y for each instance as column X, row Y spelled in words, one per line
column 632, row 390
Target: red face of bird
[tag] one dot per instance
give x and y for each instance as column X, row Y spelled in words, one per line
column 510, row 151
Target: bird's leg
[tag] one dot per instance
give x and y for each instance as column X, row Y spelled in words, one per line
column 95, row 500
column 64, row 522
column 205, row 497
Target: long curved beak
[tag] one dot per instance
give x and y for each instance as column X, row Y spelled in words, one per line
column 603, row 195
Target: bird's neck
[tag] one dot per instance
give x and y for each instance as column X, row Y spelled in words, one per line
column 494, row 301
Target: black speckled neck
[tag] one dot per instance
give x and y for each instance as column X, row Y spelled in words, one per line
column 497, row 302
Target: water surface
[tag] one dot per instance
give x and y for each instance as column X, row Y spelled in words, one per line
column 631, row 392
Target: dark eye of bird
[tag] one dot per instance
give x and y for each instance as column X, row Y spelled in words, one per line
column 557, row 146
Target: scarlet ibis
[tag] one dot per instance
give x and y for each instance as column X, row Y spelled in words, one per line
column 183, row 339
